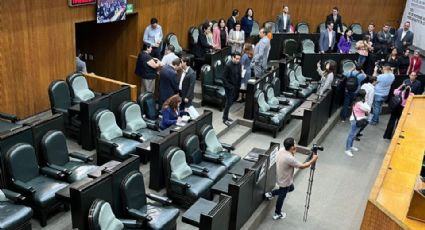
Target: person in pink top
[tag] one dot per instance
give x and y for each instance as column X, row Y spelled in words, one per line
column 404, row 92
column 220, row 35
column 360, row 111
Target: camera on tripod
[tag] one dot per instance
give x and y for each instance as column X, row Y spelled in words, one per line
column 316, row 148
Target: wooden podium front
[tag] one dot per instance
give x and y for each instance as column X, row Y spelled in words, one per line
column 417, row 204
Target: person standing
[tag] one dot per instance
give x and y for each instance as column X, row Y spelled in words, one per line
column 404, row 62
column 283, row 21
column 393, row 60
column 353, row 81
column 285, row 165
column 261, row 54
column 403, row 38
column 80, row 64
column 220, row 35
column 336, row 19
column 236, row 39
column 248, row 53
column 327, row 39
column 187, row 84
column 415, row 85
column 363, row 48
column 168, row 84
column 202, row 46
column 360, row 111
column 231, row 22
column 153, row 36
column 147, row 68
column 327, row 77
column 382, row 89
column 403, row 92
column 372, row 34
column 247, row 22
column 415, row 63
column 369, row 88
column 344, row 44
column 385, row 40
column 169, row 56
column 231, row 84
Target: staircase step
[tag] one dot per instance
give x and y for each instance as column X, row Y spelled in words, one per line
column 235, row 133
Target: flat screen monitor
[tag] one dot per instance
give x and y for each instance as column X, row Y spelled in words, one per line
column 110, row 10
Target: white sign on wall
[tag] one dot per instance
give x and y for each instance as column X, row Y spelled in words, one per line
column 415, row 13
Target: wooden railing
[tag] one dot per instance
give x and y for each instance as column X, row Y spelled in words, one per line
column 106, row 85
column 390, row 199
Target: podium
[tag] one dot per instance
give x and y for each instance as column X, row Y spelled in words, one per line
column 417, row 204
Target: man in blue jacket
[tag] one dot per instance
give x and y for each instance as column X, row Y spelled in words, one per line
column 168, row 84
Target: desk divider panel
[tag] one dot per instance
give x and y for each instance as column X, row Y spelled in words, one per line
column 82, row 198
column 203, row 119
column 271, row 155
column 158, row 148
column 116, row 98
column 183, row 132
column 241, row 192
column 260, row 182
column 219, row 217
column 87, row 109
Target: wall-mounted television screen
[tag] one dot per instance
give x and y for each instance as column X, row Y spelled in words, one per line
column 111, row 10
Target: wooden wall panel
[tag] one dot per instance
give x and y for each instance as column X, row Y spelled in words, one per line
column 37, row 38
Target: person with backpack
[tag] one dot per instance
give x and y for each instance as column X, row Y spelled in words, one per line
column 402, row 93
column 353, row 81
column 358, row 120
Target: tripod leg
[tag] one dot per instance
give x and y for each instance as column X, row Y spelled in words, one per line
column 307, row 198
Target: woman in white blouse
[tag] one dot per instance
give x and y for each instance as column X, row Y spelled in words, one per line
column 327, row 77
column 236, row 38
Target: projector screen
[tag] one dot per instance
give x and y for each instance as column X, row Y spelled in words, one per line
column 415, row 13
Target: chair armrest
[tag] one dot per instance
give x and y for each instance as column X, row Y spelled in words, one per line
column 265, row 114
column 82, row 157
column 59, row 168
column 109, row 144
column 139, row 215
column 294, row 88
column 180, row 183
column 212, row 158
column 161, row 199
column 218, row 82
column 288, row 94
column 133, row 136
column 152, row 125
column 227, row 146
column 23, row 188
column 131, row 224
column 10, row 117
column 308, row 79
column 13, row 196
column 199, row 172
column 274, row 109
column 211, row 87
column 50, row 172
column 203, row 169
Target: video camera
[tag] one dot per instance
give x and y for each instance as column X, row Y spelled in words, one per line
column 317, row 147
column 380, row 64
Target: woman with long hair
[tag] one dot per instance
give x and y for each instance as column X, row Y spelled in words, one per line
column 247, row 22
column 360, row 111
column 415, row 63
column 393, row 61
column 248, row 53
column 327, row 77
column 344, row 44
column 363, row 48
column 170, row 111
column 404, row 92
column 220, row 34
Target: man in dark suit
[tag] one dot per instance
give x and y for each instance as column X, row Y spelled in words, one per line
column 283, row 22
column 372, row 34
column 231, row 82
column 336, row 19
column 385, row 40
column 187, row 84
column 327, row 39
column 403, row 38
column 231, row 22
column 168, row 84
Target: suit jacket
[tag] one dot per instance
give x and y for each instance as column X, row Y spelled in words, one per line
column 231, row 23
column 232, row 76
column 236, row 43
column 188, row 84
column 324, row 40
column 202, row 45
column 384, row 38
column 398, row 43
column 168, row 85
column 280, row 24
column 337, row 22
column 261, row 52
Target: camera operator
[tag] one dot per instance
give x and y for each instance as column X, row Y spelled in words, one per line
column 285, row 165
column 382, row 89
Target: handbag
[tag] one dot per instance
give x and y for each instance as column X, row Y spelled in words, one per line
column 395, row 102
column 360, row 123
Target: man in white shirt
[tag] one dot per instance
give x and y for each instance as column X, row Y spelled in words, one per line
column 327, row 39
column 169, row 56
column 285, row 165
column 403, row 38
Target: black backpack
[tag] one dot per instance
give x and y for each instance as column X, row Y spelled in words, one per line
column 352, row 83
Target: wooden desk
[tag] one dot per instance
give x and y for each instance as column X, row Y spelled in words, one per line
column 392, row 193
